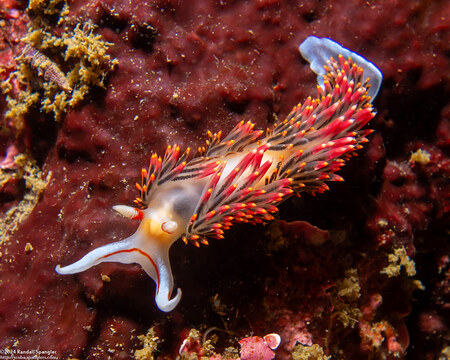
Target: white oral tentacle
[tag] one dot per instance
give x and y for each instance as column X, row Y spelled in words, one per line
column 109, row 252
column 135, row 249
column 165, row 287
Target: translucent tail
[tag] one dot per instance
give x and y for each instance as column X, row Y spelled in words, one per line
column 318, row 52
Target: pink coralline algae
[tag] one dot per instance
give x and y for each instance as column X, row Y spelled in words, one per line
column 256, row 348
column 251, row 348
column 8, row 160
column 319, row 277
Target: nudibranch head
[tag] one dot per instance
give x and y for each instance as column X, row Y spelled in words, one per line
column 148, row 246
column 242, row 177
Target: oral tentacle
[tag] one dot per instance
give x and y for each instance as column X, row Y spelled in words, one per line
column 165, row 286
column 153, row 258
column 109, row 252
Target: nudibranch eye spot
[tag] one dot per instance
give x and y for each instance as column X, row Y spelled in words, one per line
column 242, row 177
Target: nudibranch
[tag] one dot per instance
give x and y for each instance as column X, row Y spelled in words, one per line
column 242, row 177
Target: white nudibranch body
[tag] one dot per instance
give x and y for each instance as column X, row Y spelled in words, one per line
column 242, row 177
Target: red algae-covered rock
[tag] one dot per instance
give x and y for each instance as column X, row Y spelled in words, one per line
column 183, row 70
column 431, row 323
column 114, row 340
column 31, row 300
column 413, row 190
column 312, row 234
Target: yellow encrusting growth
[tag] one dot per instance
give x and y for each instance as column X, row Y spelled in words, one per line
column 397, row 260
column 150, row 343
column 48, row 7
column 79, row 53
column 400, row 259
column 35, row 184
column 345, row 305
column 420, row 156
column 349, row 287
column 25, row 99
column 314, row 352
